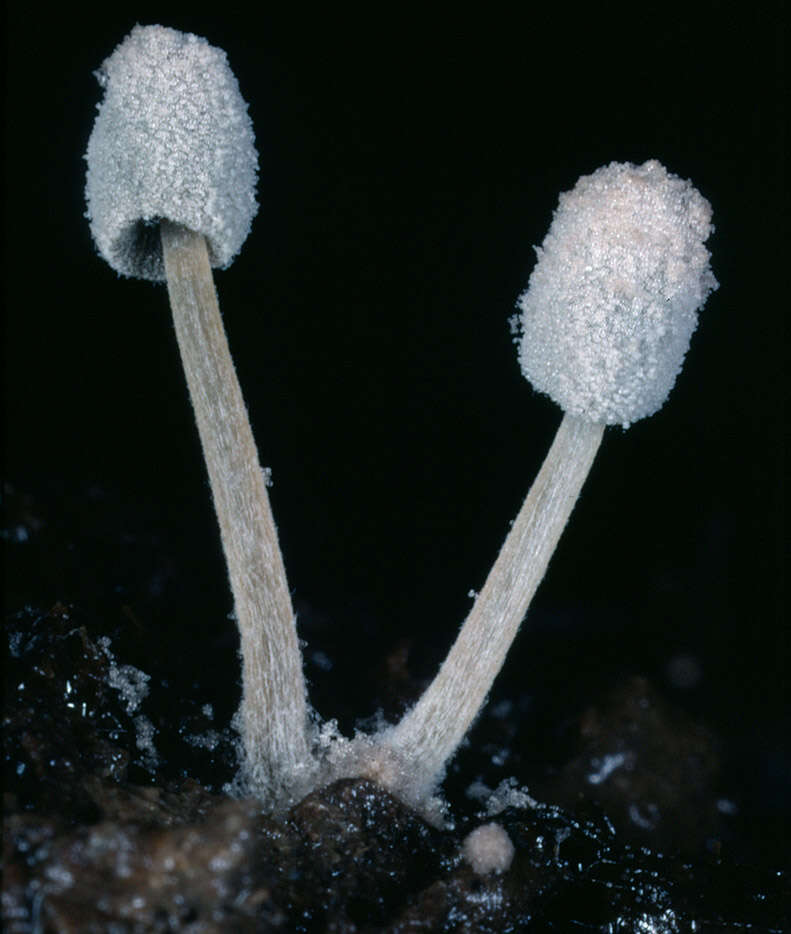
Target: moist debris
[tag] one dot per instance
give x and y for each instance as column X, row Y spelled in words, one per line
column 101, row 836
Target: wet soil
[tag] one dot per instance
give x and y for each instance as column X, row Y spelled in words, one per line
column 117, row 815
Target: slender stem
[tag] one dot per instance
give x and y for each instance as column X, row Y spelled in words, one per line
column 430, row 732
column 273, row 711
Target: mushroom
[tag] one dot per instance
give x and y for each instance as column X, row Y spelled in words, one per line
column 606, row 321
column 170, row 189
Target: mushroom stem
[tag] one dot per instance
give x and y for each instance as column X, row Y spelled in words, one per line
column 274, row 709
column 430, row 732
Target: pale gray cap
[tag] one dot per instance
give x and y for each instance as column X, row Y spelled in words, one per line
column 613, row 299
column 172, row 139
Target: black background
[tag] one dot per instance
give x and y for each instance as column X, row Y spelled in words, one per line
column 407, row 168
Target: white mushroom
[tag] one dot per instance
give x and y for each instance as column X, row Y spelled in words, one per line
column 170, row 189
column 606, row 321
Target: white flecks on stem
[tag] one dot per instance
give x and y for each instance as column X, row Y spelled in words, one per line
column 273, row 715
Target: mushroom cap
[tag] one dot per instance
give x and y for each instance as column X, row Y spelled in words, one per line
column 613, row 299
column 172, row 140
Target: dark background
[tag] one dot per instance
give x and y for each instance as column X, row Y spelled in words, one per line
column 407, row 168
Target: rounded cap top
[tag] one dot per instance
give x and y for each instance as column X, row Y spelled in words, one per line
column 612, row 301
column 172, row 139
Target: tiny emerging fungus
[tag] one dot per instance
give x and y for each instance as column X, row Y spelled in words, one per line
column 606, row 321
column 170, row 189
column 488, row 849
